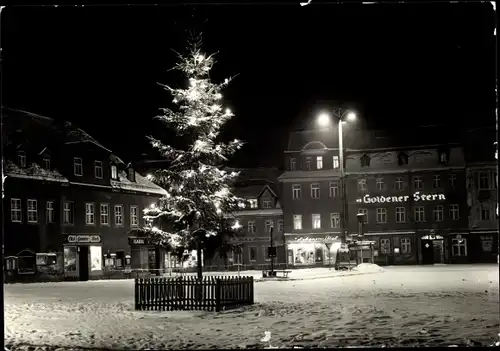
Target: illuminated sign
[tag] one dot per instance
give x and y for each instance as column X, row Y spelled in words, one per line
column 308, row 239
column 84, row 239
column 367, row 199
column 137, row 241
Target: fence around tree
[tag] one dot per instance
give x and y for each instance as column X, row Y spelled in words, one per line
column 189, row 293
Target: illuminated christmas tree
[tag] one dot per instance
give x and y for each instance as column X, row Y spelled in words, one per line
column 199, row 201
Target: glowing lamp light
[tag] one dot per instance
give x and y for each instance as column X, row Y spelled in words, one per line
column 218, row 96
column 324, row 119
column 228, row 111
column 200, row 57
column 153, row 205
column 351, row 116
column 236, row 225
column 149, row 177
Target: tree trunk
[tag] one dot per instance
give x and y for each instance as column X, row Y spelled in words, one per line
column 199, row 262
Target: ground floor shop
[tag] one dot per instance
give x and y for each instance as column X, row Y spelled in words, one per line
column 482, row 246
column 312, row 249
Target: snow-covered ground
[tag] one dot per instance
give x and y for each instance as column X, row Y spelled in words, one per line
column 424, row 306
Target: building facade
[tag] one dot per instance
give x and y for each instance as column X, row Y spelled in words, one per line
column 70, row 199
column 482, row 195
column 311, row 198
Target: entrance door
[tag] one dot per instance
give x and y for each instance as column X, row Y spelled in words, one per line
column 438, row 253
column 427, row 252
column 83, row 263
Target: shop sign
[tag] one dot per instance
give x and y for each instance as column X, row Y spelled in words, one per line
column 487, row 243
column 309, row 239
column 138, row 241
column 367, row 199
column 83, row 239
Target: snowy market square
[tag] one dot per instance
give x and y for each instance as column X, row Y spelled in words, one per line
column 398, row 306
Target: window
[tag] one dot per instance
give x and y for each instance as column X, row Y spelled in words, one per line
column 459, row 247
column 21, row 159
column 89, row 214
column 307, row 164
column 315, row 191
column 251, row 226
column 98, row 169
column 134, row 214
column 453, row 178
column 419, row 214
column 362, row 185
column 131, row 174
column 280, row 226
column 443, row 157
column 454, row 212
column 333, row 189
column 381, row 215
column 336, row 162
column 267, row 204
column 436, row 181
column 405, row 245
column 252, row 253
column 269, row 224
column 365, row 212
column 297, row 222
column 114, row 172
column 77, row 166
column 385, row 246
column 316, row 221
column 380, row 183
column 118, row 215
column 50, row 212
column 32, row 211
column 15, row 210
column 104, row 214
column 399, row 185
column 418, row 183
column 484, row 181
column 494, row 180
column 485, row 212
column 335, row 220
column 319, row 162
column 400, row 215
column 68, row 213
column 296, row 190
column 46, row 162
column 365, row 161
column 402, row 159
column 253, row 203
column 293, row 163
column 437, row 213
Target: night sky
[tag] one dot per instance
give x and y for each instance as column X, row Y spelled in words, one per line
column 394, row 64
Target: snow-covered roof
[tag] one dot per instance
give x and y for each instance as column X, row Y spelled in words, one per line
column 34, row 172
column 141, row 184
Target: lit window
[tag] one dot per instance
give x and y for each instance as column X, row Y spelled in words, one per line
column 32, row 211
column 15, row 210
column 336, row 162
column 104, row 214
column 459, row 247
column 253, row 203
column 114, row 172
column 89, row 214
column 385, row 246
column 134, row 214
column 297, row 222
column 118, row 215
column 316, row 221
column 319, row 162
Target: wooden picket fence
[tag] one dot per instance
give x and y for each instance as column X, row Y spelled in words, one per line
column 189, row 293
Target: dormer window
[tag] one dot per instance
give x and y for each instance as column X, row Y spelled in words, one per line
column 307, row 164
column 21, row 159
column 293, row 163
column 319, row 162
column 267, row 204
column 402, row 158
column 77, row 166
column 114, row 172
column 365, row 161
column 131, row 174
column 252, row 203
column 98, row 172
column 443, row 157
column 336, row 162
column 46, row 162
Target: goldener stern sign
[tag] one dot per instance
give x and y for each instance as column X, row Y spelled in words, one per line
column 367, row 199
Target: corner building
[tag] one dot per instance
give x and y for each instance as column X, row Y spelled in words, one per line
column 410, row 185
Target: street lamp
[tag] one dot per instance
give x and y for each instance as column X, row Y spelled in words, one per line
column 342, row 117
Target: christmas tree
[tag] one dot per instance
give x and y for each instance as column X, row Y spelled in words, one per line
column 196, row 211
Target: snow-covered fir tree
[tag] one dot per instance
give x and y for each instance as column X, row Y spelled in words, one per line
column 199, row 201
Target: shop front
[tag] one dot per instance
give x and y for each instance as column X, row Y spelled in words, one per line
column 145, row 255
column 82, row 256
column 483, row 246
column 312, row 249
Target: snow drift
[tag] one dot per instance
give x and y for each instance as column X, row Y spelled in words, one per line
column 368, row 268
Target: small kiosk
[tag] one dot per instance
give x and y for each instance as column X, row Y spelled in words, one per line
column 145, row 256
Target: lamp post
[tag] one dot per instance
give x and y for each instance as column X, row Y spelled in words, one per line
column 324, row 120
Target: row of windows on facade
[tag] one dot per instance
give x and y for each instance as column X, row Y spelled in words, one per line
column 68, row 213
column 365, row 161
column 77, row 167
column 268, row 224
column 381, row 216
column 458, row 246
column 333, row 190
column 237, row 257
column 254, row 203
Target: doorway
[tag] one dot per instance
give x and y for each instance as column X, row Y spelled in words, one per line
column 438, row 252
column 83, row 263
column 432, row 251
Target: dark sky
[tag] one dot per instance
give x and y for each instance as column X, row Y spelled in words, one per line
column 395, row 64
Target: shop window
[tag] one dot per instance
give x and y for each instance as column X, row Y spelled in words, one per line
column 120, row 259
column 41, row 259
column 405, row 245
column 487, row 243
column 11, row 263
column 459, row 247
column 151, row 258
column 26, row 262
column 252, row 253
column 319, row 254
column 110, row 260
column 385, row 246
column 70, row 258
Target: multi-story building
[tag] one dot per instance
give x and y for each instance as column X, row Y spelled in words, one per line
column 311, row 198
column 482, row 195
column 263, row 212
column 411, row 190
column 68, row 196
